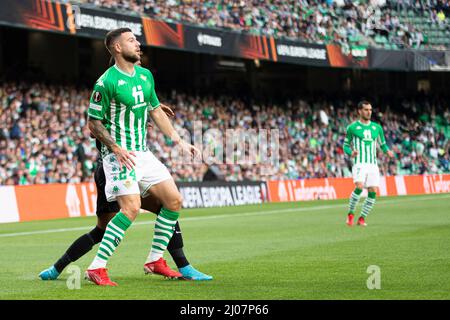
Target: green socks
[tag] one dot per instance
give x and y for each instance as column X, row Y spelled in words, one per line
column 368, row 204
column 115, row 231
column 354, row 199
column 164, row 228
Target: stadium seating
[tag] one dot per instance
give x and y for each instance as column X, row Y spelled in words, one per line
column 378, row 23
column 311, row 135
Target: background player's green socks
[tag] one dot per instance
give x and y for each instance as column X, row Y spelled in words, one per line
column 368, row 204
column 115, row 230
column 164, row 228
column 354, row 199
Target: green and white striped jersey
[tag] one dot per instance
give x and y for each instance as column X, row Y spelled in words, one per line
column 364, row 138
column 122, row 102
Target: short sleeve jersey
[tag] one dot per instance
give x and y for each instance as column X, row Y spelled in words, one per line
column 122, row 101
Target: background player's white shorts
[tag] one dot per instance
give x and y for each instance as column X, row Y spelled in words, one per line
column 367, row 174
column 147, row 172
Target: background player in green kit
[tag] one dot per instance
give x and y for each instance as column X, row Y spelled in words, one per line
column 122, row 99
column 361, row 144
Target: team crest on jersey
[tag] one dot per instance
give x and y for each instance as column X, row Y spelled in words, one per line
column 358, row 127
column 128, row 184
column 373, row 127
column 143, row 77
column 121, row 82
column 97, row 96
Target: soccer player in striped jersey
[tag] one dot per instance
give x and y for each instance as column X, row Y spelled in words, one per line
column 122, row 99
column 361, row 144
column 106, row 211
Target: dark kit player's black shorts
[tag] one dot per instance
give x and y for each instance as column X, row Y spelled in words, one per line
column 103, row 206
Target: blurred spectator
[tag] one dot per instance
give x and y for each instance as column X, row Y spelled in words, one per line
column 322, row 21
column 44, row 138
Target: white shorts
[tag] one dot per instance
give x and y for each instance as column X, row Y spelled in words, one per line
column 147, row 172
column 367, row 174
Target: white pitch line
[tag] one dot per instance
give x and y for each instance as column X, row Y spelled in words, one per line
column 242, row 214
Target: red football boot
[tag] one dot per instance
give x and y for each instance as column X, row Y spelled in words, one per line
column 350, row 218
column 362, row 222
column 99, row 277
column 160, row 267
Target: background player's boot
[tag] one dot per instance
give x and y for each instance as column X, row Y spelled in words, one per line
column 99, row 277
column 160, row 267
column 350, row 218
column 190, row 273
column 362, row 222
column 49, row 274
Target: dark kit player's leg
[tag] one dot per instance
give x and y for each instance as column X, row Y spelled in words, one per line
column 84, row 244
column 79, row 247
column 105, row 212
column 150, row 203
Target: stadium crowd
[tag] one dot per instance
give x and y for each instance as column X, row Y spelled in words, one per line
column 323, row 21
column 44, row 137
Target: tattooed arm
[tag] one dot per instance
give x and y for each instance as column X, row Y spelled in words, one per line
column 99, row 131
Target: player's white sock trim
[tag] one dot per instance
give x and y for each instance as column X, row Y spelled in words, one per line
column 97, row 263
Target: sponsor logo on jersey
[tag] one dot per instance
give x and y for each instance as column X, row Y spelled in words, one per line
column 97, row 96
column 121, row 82
column 373, row 127
column 100, row 83
column 358, row 127
column 143, row 77
column 367, row 135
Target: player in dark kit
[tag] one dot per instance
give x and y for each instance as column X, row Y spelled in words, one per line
column 105, row 212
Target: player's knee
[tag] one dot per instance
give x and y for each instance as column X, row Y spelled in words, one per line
column 175, row 203
column 131, row 211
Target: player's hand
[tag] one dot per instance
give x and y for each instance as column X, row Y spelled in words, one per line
column 167, row 110
column 390, row 154
column 187, row 147
column 354, row 153
column 124, row 157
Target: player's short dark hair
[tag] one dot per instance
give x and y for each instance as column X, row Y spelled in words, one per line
column 363, row 103
column 112, row 35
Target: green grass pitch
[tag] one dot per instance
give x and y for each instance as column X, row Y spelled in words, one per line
column 272, row 251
